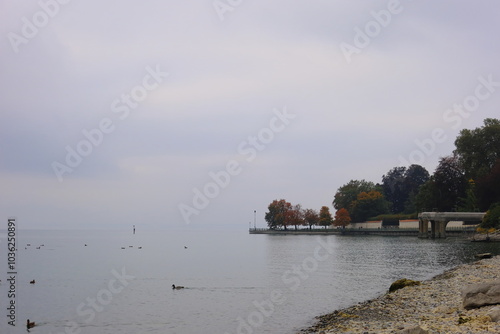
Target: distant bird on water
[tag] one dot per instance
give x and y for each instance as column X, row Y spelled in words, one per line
column 32, row 282
column 185, row 247
column 177, row 287
column 30, row 324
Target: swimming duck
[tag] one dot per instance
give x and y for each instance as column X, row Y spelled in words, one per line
column 30, row 324
column 32, row 282
column 177, row 287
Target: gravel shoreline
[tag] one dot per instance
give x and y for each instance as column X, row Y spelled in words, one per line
column 435, row 306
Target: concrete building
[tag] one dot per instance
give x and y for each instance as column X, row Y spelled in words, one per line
column 367, row 224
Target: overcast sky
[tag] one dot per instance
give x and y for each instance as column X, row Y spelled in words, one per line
column 193, row 114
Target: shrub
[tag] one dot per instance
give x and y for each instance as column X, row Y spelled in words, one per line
column 492, row 217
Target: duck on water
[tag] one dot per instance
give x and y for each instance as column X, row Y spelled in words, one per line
column 30, row 324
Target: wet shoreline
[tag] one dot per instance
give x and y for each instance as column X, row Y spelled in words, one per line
column 435, row 306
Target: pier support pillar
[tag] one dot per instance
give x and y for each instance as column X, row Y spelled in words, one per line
column 441, row 228
column 423, row 228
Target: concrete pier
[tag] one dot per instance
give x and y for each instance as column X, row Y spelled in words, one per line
column 439, row 220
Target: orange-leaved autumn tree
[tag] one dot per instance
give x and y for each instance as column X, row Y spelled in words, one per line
column 342, row 218
column 369, row 204
column 311, row 217
column 278, row 214
column 325, row 217
column 295, row 216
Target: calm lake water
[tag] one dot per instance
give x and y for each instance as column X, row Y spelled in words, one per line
column 234, row 282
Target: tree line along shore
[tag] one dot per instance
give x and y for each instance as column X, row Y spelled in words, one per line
column 467, row 180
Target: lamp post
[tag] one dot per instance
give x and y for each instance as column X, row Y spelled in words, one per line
column 254, row 219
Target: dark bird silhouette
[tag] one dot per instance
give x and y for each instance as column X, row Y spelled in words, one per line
column 177, row 287
column 185, row 247
column 32, row 282
column 30, row 324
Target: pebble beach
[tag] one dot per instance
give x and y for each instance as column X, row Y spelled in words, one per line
column 435, row 306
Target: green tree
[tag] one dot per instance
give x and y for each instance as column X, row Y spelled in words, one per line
column 451, row 183
column 394, row 187
column 342, row 218
column 400, row 186
column 311, row 217
column 415, row 177
column 428, row 196
column 469, row 202
column 478, row 150
column 347, row 194
column 325, row 217
column 277, row 214
column 488, row 188
column 446, row 188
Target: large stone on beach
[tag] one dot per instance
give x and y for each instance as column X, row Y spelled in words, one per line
column 414, row 330
column 401, row 283
column 494, row 314
column 483, row 294
column 484, row 256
